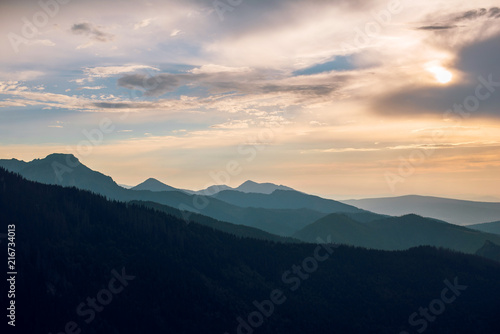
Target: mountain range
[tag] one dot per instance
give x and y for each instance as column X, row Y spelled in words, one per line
column 396, row 233
column 98, row 266
column 274, row 216
column 493, row 227
column 67, row 170
column 453, row 211
column 249, row 186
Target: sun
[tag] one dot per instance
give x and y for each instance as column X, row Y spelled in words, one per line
column 441, row 74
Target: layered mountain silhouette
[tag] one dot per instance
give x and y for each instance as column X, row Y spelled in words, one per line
column 260, row 188
column 149, row 272
column 396, row 233
column 490, row 250
column 66, row 170
column 245, row 187
column 493, row 227
column 453, row 211
column 236, row 230
column 154, row 185
column 282, row 213
column 283, row 199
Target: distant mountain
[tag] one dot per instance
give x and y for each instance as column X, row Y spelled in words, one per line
column 246, row 187
column 260, row 188
column 490, row 250
column 284, row 199
column 493, row 227
column 13, row 165
column 364, row 216
column 209, row 191
column 66, row 170
column 450, row 210
column 154, row 185
column 150, row 272
column 396, row 233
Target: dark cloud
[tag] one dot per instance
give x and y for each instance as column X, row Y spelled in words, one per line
column 493, row 12
column 251, row 82
column 450, row 21
column 310, row 90
column 472, row 14
column 238, row 17
column 88, row 29
column 437, row 27
column 119, row 105
column 156, row 85
column 478, row 60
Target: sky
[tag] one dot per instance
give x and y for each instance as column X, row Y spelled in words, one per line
column 346, row 99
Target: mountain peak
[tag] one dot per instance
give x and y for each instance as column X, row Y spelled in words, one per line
column 61, row 157
column 153, row 184
column 152, row 180
column 250, row 186
column 248, row 183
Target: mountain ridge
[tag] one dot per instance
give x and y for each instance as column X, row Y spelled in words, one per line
column 459, row 212
column 396, row 233
column 153, row 184
column 66, row 170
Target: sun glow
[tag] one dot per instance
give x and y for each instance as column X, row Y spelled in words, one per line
column 441, row 74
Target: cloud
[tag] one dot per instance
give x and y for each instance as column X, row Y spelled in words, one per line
column 152, row 85
column 235, row 124
column 142, row 24
column 26, row 75
column 437, row 27
column 306, row 89
column 212, row 68
column 455, row 20
column 92, row 31
column 427, row 146
column 348, row 149
column 91, row 87
column 493, row 12
column 339, row 63
column 317, row 123
column 217, row 79
column 175, row 32
column 108, row 71
column 479, row 64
